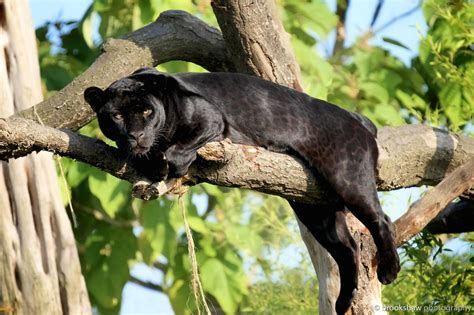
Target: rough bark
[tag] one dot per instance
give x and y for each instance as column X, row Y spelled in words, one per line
column 260, row 45
column 39, row 266
column 19, row 137
column 175, row 35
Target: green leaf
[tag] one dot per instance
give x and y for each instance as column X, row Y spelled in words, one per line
column 181, row 298
column 55, row 76
column 197, row 224
column 158, row 228
column 468, row 97
column 86, row 26
column 387, row 115
column 112, row 192
column 64, row 190
column 303, row 36
column 318, row 91
column 450, row 95
column 394, row 42
column 314, row 15
column 376, row 91
column 76, row 46
column 207, row 246
column 77, row 173
column 148, row 255
column 389, row 79
column 136, row 16
column 148, row 10
column 368, row 61
column 211, row 189
column 216, row 282
column 106, row 254
column 244, row 237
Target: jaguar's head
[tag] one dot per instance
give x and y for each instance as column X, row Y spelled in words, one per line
column 132, row 110
column 128, row 113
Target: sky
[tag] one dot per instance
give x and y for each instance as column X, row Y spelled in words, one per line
column 138, row 300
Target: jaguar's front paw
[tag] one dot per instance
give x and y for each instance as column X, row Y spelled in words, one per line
column 179, row 161
column 145, row 190
column 388, row 266
column 154, row 167
column 344, row 302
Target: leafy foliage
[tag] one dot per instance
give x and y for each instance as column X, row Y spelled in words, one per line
column 240, row 235
column 432, row 275
column 285, row 291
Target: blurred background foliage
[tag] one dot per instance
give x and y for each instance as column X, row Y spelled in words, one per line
column 240, row 235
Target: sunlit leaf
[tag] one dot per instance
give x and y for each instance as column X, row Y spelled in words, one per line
column 158, row 229
column 112, row 192
column 376, row 91
column 388, row 115
column 86, row 26
column 394, row 42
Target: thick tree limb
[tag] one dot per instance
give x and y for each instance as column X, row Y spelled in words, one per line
column 175, row 35
column 232, row 165
column 19, row 137
column 260, row 45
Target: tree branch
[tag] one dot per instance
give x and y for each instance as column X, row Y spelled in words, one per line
column 260, row 45
column 341, row 11
column 399, row 17
column 19, row 137
column 146, row 284
column 375, row 16
column 435, row 200
column 233, row 165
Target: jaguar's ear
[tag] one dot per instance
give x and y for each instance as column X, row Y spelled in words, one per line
column 155, row 82
column 95, row 97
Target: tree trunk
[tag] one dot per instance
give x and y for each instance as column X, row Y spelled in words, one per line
column 39, row 265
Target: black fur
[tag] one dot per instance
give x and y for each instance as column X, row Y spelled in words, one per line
column 150, row 112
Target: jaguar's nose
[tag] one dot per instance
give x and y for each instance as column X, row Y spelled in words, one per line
column 137, row 135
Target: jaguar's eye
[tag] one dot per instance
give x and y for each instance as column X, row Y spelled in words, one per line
column 117, row 116
column 147, row 112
